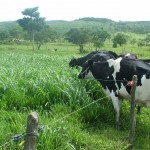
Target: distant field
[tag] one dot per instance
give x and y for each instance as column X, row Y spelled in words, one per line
column 73, row 50
column 43, row 82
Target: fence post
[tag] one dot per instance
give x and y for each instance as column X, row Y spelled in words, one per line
column 31, row 133
column 132, row 113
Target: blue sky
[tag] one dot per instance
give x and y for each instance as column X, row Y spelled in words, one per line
column 118, row 10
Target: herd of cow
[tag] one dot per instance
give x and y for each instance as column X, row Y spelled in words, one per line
column 113, row 72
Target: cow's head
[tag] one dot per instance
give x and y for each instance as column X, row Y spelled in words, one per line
column 72, row 63
column 92, row 69
column 86, row 73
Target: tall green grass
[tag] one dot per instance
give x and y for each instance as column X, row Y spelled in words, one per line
column 43, row 82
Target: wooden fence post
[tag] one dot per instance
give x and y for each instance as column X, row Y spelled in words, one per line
column 31, row 133
column 132, row 112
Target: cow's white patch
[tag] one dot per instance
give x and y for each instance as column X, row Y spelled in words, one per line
column 116, row 102
column 115, row 64
column 113, row 97
column 128, row 54
column 142, row 94
column 123, row 92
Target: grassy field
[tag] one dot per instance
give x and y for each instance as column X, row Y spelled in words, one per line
column 43, row 82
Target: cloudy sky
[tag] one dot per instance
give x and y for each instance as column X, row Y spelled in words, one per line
column 118, row 10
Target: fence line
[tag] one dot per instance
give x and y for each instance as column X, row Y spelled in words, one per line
column 18, row 137
column 33, row 133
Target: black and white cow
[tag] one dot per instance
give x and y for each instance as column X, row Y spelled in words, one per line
column 132, row 56
column 145, row 60
column 128, row 55
column 75, row 62
column 113, row 76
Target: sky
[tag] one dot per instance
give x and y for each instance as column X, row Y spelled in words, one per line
column 117, row 10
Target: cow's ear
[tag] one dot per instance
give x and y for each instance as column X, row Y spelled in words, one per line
column 73, row 59
column 90, row 62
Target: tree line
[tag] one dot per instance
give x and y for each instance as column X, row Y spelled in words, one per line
column 35, row 29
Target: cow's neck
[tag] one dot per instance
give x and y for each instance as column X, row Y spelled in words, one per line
column 80, row 61
column 101, row 70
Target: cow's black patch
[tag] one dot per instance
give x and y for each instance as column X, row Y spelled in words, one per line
column 100, row 55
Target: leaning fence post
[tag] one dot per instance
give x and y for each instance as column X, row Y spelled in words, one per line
column 132, row 112
column 31, row 133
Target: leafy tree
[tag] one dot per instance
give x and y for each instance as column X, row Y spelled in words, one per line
column 32, row 22
column 133, row 41
column 145, row 41
column 44, row 35
column 78, row 36
column 120, row 39
column 99, row 37
column 4, row 35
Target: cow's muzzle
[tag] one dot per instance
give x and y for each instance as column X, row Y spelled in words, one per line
column 80, row 76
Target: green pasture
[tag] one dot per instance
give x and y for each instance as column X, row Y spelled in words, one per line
column 43, row 82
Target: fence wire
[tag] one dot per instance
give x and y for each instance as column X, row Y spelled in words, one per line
column 18, row 137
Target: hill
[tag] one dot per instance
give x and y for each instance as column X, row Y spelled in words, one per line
column 139, row 27
column 8, row 25
column 61, row 26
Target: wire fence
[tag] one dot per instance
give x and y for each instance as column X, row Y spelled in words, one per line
column 21, row 136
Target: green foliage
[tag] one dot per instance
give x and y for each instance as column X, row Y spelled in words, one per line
column 99, row 37
column 4, row 34
column 140, row 27
column 31, row 21
column 95, row 24
column 8, row 25
column 103, row 20
column 46, row 34
column 120, row 39
column 78, row 36
column 145, row 41
column 16, row 32
column 43, row 82
column 31, row 12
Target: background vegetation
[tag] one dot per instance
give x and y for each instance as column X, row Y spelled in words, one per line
column 43, row 82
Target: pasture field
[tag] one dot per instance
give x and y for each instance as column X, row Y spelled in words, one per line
column 43, row 82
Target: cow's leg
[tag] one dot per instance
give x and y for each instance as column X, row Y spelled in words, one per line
column 117, row 106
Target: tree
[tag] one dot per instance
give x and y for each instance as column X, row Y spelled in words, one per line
column 44, row 35
column 99, row 37
column 78, row 36
column 145, row 41
column 120, row 39
column 4, row 35
column 32, row 22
